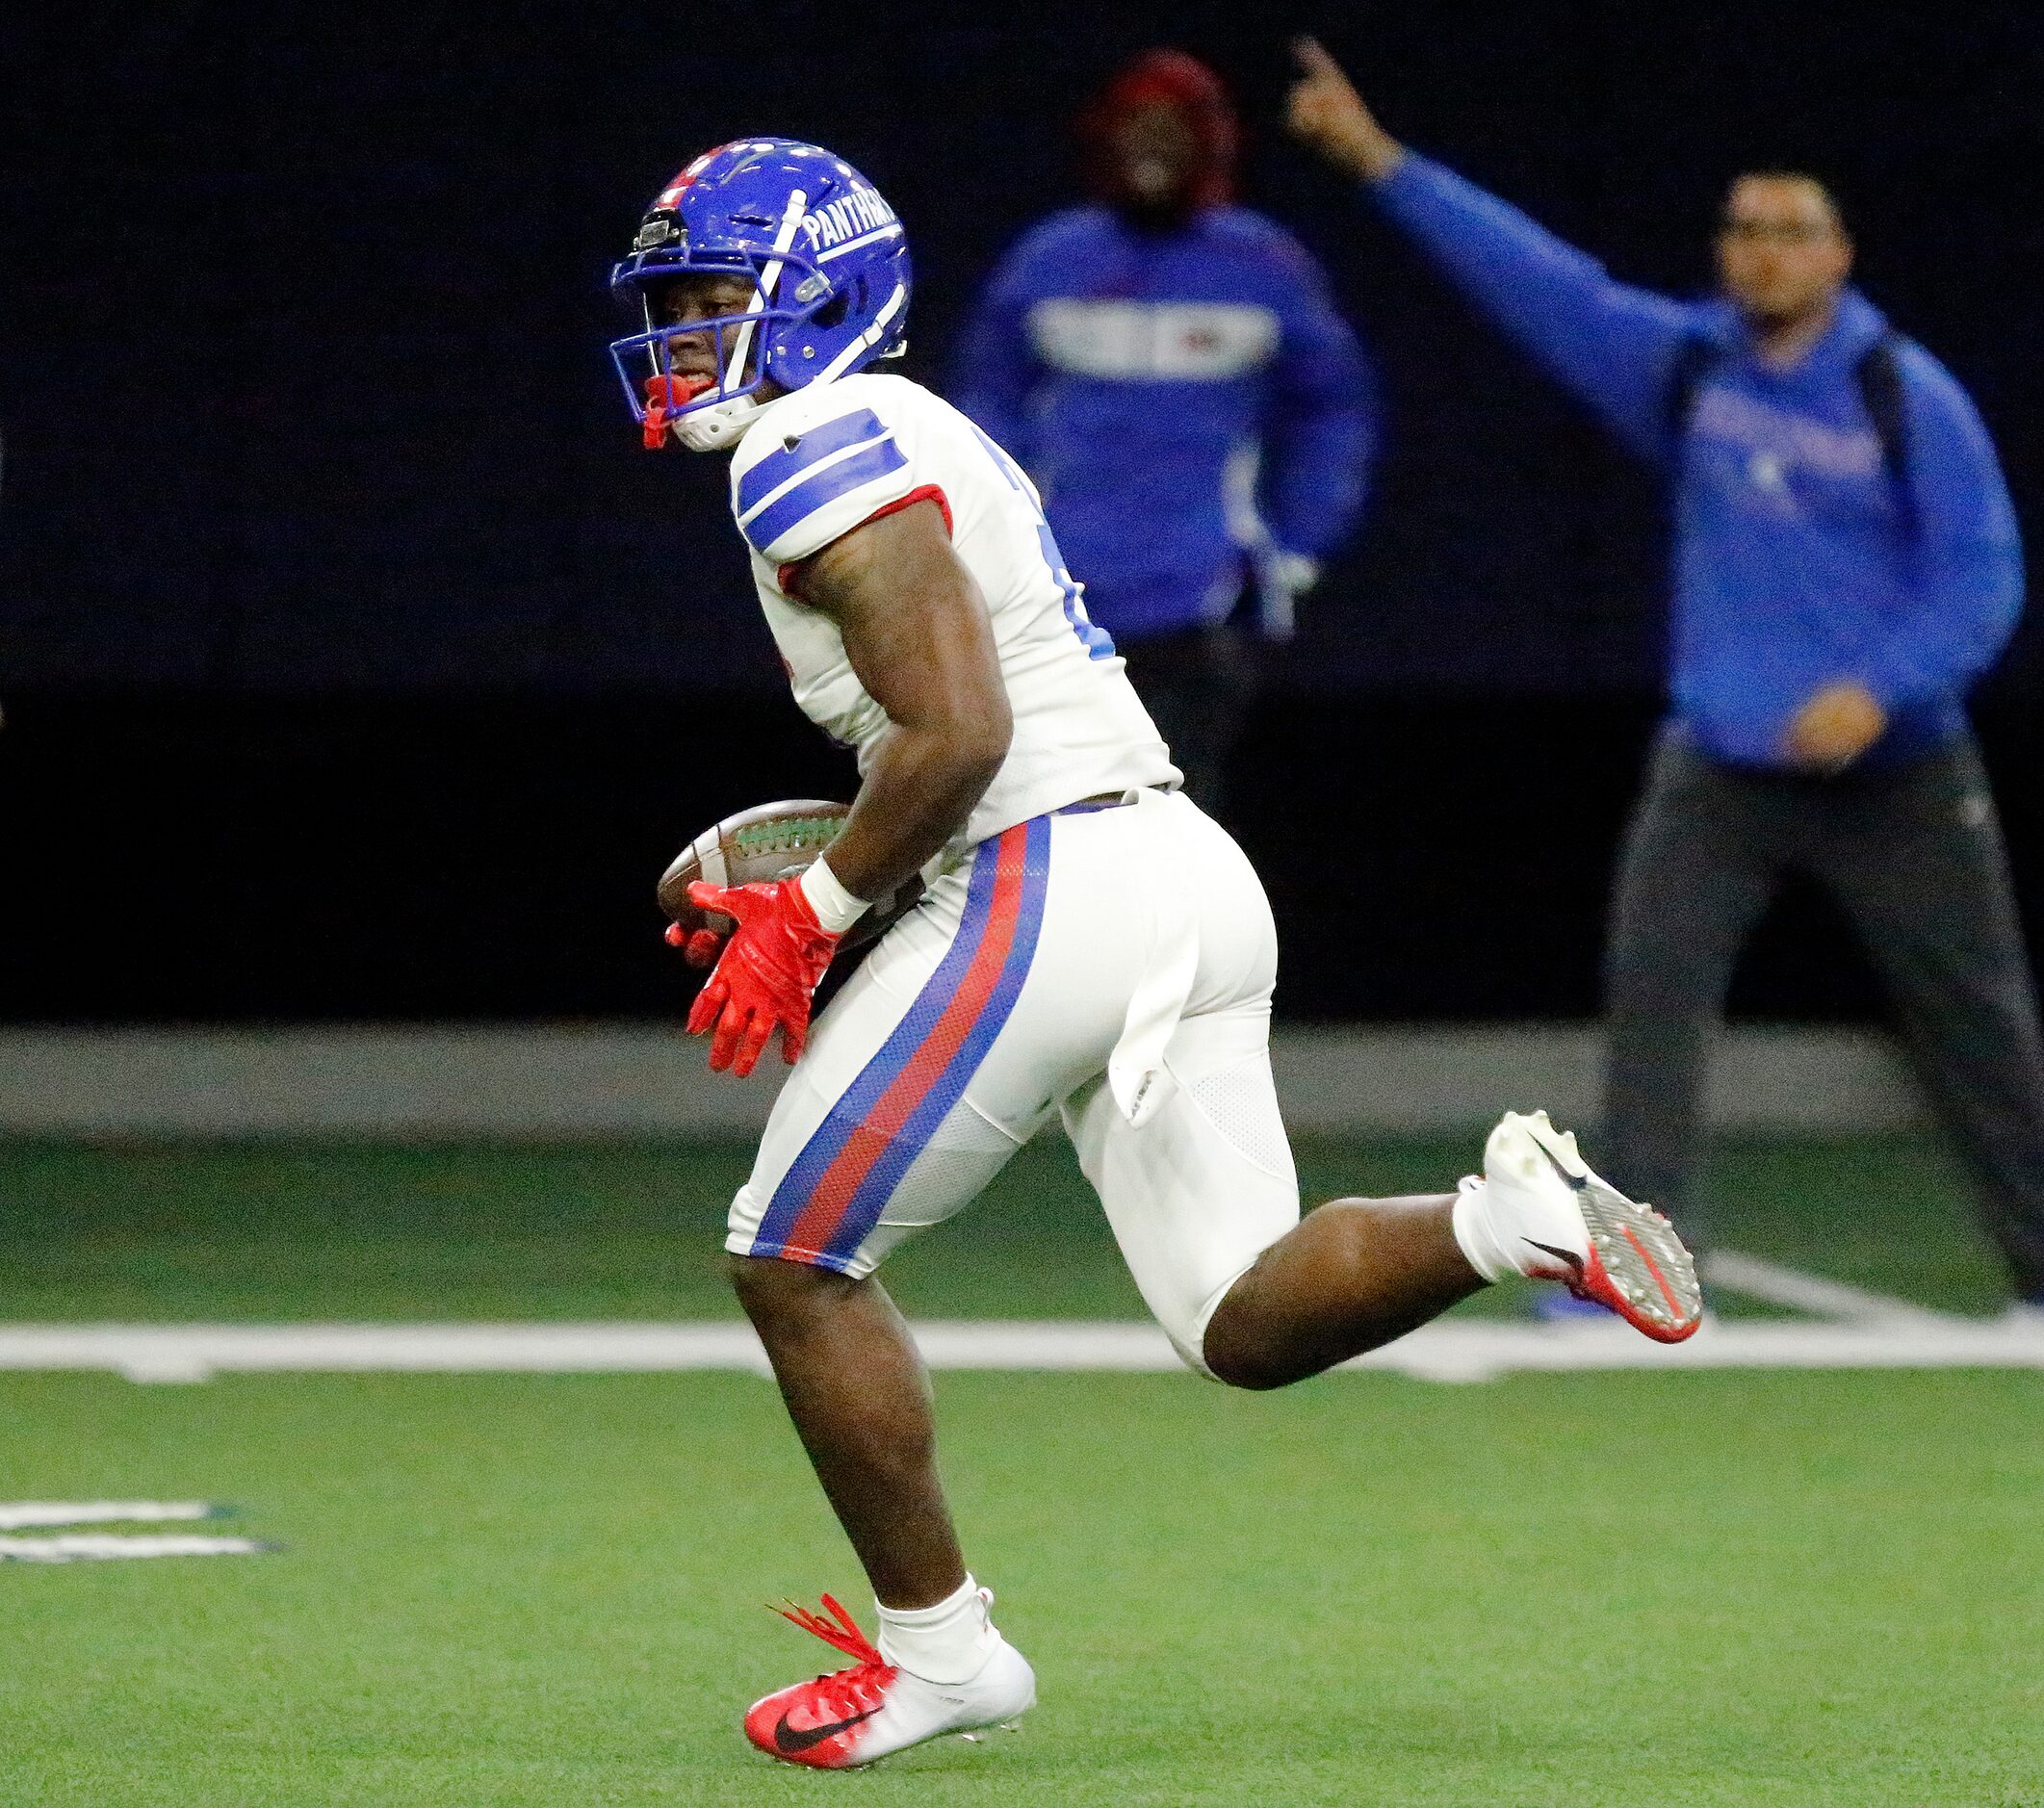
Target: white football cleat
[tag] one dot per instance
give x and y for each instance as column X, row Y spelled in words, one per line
column 1554, row 1218
column 872, row 1707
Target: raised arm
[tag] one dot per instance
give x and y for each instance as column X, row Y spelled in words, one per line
column 1612, row 344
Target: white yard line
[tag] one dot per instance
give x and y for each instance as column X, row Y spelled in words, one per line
column 24, row 1514
column 1762, row 1280
column 1460, row 1350
column 98, row 1547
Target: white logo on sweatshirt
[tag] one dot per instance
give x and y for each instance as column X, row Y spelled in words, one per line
column 1784, row 439
column 1161, row 341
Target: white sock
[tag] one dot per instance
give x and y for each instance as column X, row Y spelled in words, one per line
column 949, row 1642
column 1477, row 1236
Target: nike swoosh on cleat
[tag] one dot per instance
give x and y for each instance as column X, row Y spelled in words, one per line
column 1579, row 1181
column 1569, row 1256
column 792, row 1740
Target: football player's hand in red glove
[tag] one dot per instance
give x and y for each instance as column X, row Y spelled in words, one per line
column 766, row 976
column 700, row 947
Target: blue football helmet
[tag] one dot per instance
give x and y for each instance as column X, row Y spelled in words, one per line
column 829, row 267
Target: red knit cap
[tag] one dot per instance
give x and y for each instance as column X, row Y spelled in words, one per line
column 1176, row 80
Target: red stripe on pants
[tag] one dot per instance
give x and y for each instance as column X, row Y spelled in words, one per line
column 820, row 1219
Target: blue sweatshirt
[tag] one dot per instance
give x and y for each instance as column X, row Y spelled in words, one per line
column 1796, row 564
column 1186, row 401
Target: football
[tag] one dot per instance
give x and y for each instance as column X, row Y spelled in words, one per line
column 768, row 841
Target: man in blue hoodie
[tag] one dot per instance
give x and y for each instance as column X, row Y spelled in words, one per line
column 1845, row 564
column 1171, row 372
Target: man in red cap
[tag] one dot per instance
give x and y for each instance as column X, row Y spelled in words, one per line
column 1171, row 372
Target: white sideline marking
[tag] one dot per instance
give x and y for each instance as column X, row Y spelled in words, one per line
column 1458, row 1351
column 97, row 1547
column 1777, row 1285
column 21, row 1514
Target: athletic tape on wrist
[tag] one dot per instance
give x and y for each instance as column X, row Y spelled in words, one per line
column 836, row 908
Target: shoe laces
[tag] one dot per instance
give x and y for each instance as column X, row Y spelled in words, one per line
column 857, row 1688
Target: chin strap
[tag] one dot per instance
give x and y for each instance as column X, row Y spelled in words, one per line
column 718, row 427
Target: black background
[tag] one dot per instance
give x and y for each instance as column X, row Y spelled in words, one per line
column 356, row 662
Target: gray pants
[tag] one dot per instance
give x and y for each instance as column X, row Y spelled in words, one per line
column 1914, row 856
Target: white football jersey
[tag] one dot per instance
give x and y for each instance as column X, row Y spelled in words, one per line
column 817, row 462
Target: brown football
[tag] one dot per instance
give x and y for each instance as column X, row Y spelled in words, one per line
column 768, row 841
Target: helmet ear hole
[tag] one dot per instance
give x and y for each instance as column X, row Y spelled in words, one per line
column 832, row 312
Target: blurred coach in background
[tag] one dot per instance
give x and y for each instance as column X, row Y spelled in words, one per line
column 1170, row 370
column 1845, row 564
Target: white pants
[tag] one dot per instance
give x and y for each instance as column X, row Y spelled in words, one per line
column 1005, row 994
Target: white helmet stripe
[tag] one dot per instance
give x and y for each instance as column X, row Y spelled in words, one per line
column 763, row 290
column 870, row 337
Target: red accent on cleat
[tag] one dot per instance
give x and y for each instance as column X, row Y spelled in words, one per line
column 1653, row 1268
column 1595, row 1284
column 817, row 1722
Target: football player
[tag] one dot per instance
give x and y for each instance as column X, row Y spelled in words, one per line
column 1089, row 945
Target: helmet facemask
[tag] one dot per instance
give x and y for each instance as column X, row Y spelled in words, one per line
column 711, row 414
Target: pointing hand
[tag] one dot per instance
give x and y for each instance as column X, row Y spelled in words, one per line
column 1325, row 113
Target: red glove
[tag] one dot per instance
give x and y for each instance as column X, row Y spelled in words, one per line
column 768, row 974
column 699, row 947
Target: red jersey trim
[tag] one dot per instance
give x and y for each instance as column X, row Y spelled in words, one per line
column 788, row 574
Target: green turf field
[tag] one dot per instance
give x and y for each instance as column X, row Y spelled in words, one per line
column 1736, row 1589
column 268, row 1232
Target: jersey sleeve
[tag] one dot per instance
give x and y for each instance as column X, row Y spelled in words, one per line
column 815, row 478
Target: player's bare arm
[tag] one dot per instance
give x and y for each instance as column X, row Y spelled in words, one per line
column 916, row 631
